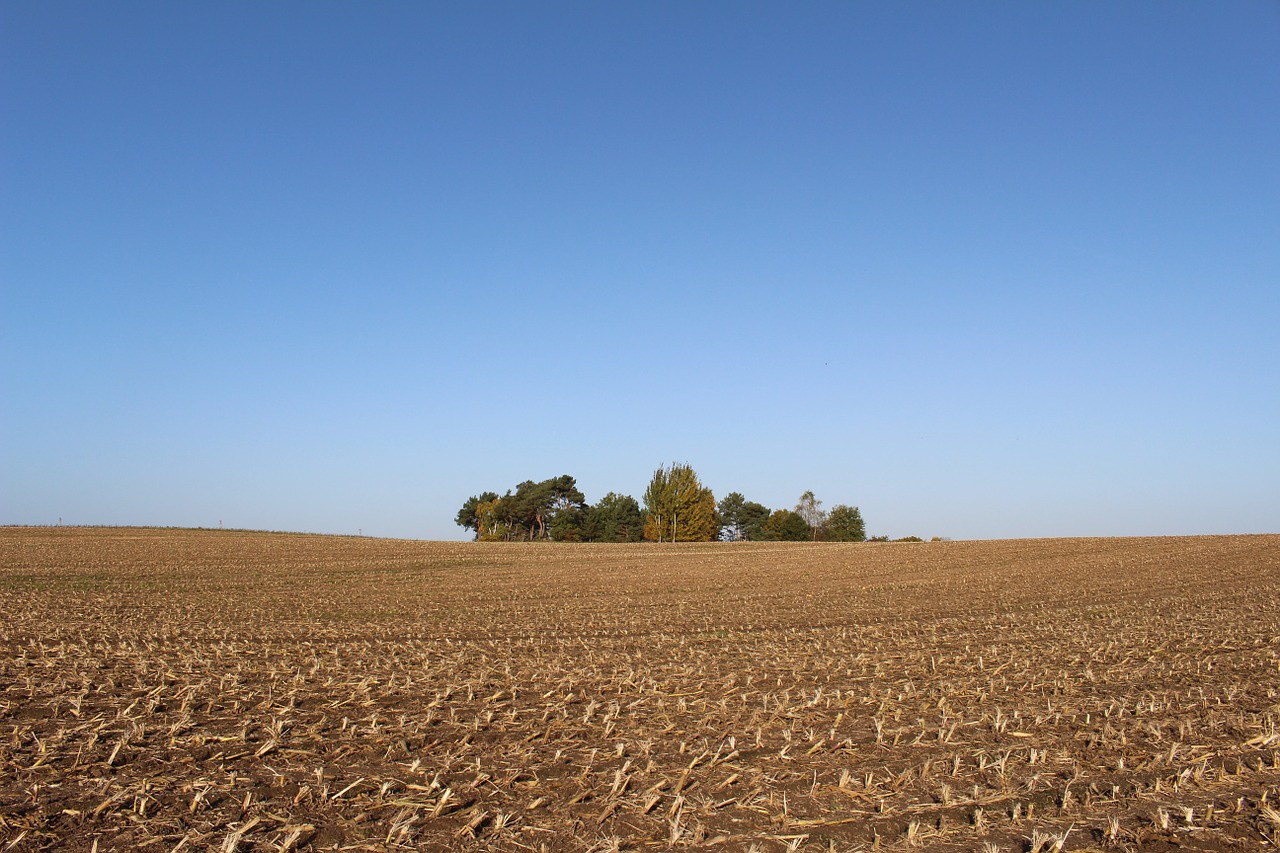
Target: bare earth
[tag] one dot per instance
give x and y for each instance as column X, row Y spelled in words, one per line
column 171, row 689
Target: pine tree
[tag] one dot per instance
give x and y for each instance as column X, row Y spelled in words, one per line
column 616, row 518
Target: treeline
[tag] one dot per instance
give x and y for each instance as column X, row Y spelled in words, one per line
column 552, row 509
column 677, row 508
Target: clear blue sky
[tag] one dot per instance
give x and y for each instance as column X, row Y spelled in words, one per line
column 982, row 269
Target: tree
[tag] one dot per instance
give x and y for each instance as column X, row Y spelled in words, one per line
column 616, row 518
column 845, row 524
column 810, row 509
column 551, row 509
column 785, row 525
column 466, row 517
column 489, row 527
column 740, row 518
column 754, row 516
column 730, row 511
column 545, row 508
column 679, row 507
column 565, row 508
column 568, row 525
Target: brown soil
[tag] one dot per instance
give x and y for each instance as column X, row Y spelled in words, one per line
column 174, row 689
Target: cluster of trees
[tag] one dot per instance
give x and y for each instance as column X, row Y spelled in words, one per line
column 677, row 508
column 552, row 509
column 743, row 519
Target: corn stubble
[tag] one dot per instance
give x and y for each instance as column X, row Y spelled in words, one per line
column 206, row 690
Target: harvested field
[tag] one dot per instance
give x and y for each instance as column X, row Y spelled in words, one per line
column 170, row 689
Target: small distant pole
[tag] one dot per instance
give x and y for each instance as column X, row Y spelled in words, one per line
column 359, row 531
column 59, row 521
column 219, row 524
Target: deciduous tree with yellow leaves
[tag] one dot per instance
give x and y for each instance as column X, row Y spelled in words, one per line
column 679, row 507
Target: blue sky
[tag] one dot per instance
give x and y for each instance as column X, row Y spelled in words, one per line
column 985, row 270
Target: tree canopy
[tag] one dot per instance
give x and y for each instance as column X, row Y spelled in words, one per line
column 616, row 518
column 533, row 511
column 467, row 516
column 810, row 509
column 785, row 525
column 679, row 508
column 845, row 524
column 741, row 519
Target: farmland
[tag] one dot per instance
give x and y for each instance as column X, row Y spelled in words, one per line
column 176, row 689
